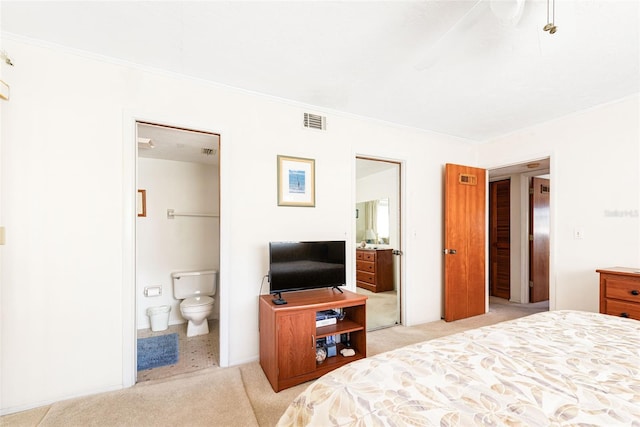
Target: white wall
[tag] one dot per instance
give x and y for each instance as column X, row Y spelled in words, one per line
column 595, row 159
column 66, row 294
column 180, row 244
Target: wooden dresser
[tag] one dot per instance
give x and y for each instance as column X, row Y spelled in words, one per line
column 374, row 269
column 620, row 291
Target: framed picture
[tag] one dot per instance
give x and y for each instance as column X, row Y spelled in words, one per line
column 296, row 181
column 142, row 202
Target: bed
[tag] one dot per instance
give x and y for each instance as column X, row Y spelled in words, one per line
column 551, row 368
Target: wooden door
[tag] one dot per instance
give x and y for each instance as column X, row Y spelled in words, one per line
column 465, row 243
column 539, row 195
column 499, row 238
column 296, row 344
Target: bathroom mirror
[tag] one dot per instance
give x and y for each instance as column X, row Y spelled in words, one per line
column 372, row 221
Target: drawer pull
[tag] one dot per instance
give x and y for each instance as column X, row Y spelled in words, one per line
column 635, row 292
column 624, row 314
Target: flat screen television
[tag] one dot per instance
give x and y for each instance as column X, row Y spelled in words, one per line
column 295, row 266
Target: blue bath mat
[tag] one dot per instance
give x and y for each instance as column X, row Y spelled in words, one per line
column 157, row 351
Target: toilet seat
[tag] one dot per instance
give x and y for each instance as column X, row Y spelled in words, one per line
column 196, row 302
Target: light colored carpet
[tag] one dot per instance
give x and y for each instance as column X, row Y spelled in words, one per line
column 267, row 404
column 209, row 397
column 398, row 336
column 236, row 396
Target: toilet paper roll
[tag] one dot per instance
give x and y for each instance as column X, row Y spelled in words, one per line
column 152, row 291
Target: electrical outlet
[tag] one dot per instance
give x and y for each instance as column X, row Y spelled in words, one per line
column 578, row 234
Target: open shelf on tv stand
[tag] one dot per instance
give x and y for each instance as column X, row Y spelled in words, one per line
column 288, row 334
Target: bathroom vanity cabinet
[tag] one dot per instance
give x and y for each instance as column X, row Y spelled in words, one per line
column 288, row 334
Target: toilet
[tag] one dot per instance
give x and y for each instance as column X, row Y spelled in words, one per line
column 195, row 289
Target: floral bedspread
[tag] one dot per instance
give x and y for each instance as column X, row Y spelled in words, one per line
column 552, row 368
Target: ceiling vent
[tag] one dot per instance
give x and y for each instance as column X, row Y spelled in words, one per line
column 314, row 121
column 209, row 151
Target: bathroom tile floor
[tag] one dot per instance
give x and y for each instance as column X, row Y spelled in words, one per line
column 194, row 352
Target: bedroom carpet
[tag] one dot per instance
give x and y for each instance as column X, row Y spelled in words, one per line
column 398, row 336
column 236, row 396
column 208, row 397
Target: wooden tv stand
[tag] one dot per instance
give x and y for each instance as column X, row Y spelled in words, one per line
column 288, row 334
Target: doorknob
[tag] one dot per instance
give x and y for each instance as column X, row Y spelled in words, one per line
column 450, row 251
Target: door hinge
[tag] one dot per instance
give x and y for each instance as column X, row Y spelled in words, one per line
column 531, row 237
column 531, row 283
column 530, row 190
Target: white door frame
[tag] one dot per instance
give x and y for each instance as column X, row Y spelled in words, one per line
column 129, row 215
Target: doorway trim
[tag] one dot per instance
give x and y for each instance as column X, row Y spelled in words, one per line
column 129, row 215
column 524, row 219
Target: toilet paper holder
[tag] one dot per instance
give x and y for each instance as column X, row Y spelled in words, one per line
column 152, row 291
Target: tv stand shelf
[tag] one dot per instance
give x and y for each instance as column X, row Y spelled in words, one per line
column 288, row 334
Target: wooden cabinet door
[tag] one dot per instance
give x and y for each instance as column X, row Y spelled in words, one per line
column 296, row 344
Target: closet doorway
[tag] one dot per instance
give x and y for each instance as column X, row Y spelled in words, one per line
column 378, row 239
column 177, row 230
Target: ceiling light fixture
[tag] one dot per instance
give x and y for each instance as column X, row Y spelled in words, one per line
column 551, row 26
column 145, row 143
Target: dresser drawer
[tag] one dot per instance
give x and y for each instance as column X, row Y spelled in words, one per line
column 363, row 276
column 369, row 267
column 368, row 256
column 622, row 309
column 627, row 289
column 620, row 292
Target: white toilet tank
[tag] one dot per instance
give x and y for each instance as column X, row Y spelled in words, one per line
column 193, row 283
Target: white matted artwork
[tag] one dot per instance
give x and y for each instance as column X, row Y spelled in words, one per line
column 296, row 181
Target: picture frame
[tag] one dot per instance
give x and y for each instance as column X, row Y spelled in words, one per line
column 296, row 181
column 142, row 203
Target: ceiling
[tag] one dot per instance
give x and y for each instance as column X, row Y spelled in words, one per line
column 471, row 69
column 168, row 143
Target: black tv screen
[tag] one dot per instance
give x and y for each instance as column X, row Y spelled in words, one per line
column 295, row 266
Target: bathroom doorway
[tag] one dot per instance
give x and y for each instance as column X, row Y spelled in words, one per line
column 177, row 229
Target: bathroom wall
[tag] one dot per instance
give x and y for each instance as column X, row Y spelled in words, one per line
column 183, row 243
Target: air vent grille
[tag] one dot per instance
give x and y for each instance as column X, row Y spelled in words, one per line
column 208, row 151
column 314, row 121
column 467, row 179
